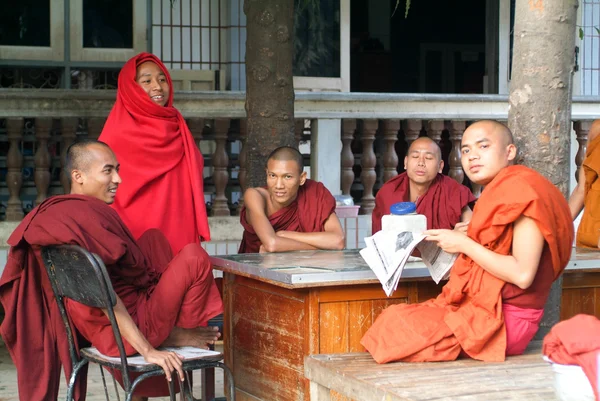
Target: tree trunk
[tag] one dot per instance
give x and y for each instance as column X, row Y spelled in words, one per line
column 540, row 99
column 269, row 83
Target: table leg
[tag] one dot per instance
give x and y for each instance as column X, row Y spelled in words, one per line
column 319, row 393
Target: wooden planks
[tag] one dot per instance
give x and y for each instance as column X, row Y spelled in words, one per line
column 356, row 375
column 581, row 294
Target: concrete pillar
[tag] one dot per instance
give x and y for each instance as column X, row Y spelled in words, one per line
column 326, row 148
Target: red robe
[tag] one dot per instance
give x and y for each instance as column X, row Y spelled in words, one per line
column 307, row 214
column 467, row 314
column 576, row 342
column 161, row 166
column 158, row 294
column 442, row 204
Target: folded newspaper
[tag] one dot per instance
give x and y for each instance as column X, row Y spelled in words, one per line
column 387, row 252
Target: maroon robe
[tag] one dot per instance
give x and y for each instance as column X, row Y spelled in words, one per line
column 307, row 214
column 442, row 204
column 158, row 293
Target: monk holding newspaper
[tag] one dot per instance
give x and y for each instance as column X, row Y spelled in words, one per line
column 518, row 242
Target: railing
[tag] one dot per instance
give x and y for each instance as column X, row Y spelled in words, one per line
column 359, row 139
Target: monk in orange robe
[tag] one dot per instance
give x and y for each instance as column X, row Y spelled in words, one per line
column 161, row 300
column 587, row 194
column 441, row 199
column 292, row 213
column 518, row 242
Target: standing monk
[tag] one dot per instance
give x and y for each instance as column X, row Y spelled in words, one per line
column 441, row 199
column 587, row 193
column 292, row 213
column 162, row 168
column 161, row 300
column 518, row 242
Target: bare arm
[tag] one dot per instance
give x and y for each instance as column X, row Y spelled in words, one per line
column 465, row 219
column 256, row 216
column 518, row 268
column 331, row 238
column 169, row 361
column 578, row 195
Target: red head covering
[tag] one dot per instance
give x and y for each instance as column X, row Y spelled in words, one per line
column 161, row 165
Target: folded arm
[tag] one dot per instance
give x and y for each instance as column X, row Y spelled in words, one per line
column 518, row 268
column 332, row 236
column 169, row 361
column 257, row 217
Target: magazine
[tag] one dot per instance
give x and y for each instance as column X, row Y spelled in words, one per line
column 387, row 252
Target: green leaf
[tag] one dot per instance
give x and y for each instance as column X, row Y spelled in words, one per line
column 580, row 33
column 597, row 30
column 407, row 7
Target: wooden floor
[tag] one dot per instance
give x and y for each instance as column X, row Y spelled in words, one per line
column 359, row 377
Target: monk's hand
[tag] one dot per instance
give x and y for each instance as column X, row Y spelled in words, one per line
column 451, row 241
column 168, row 360
column 462, row 227
column 262, row 249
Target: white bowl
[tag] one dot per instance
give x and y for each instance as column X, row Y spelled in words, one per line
column 570, row 382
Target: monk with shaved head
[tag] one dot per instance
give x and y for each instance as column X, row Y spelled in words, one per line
column 162, row 299
column 518, row 242
column 292, row 212
column 443, row 201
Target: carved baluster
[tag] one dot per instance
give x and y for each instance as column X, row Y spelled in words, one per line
column 413, row 130
column 390, row 158
column 348, row 128
column 368, row 162
column 220, row 163
column 582, row 129
column 68, row 134
column 95, row 125
column 41, row 176
column 434, row 130
column 14, row 164
column 196, row 126
column 242, row 176
column 456, row 131
column 298, row 130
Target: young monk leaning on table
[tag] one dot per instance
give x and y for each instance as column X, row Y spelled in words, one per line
column 518, row 242
column 292, row 212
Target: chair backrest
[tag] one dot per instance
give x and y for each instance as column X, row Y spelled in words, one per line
column 79, row 275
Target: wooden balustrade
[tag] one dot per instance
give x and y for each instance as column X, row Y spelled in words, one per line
column 358, row 170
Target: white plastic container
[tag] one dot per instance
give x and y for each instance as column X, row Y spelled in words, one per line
column 404, row 218
column 570, row 382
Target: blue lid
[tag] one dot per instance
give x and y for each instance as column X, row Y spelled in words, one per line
column 403, row 208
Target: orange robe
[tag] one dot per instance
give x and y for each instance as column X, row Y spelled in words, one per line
column 467, row 315
column 589, row 227
column 159, row 291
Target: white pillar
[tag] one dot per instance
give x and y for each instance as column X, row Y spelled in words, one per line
column 325, row 153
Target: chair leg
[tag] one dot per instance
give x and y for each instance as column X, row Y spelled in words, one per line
column 207, row 378
column 229, row 380
column 72, row 380
column 104, row 383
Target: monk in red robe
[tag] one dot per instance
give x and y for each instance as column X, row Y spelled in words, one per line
column 441, row 199
column 292, row 213
column 518, row 242
column 586, row 193
column 161, row 300
column 162, row 168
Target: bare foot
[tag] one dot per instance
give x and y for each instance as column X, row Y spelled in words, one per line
column 200, row 337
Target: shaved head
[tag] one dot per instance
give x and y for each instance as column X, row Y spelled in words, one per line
column 79, row 156
column 495, row 128
column 430, row 143
column 287, row 153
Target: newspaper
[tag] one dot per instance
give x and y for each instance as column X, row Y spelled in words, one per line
column 387, row 252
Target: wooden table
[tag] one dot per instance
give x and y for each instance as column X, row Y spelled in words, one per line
column 280, row 308
column 356, row 375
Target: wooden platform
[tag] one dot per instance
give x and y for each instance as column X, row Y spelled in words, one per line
column 358, row 377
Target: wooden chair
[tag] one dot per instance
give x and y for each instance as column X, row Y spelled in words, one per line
column 79, row 275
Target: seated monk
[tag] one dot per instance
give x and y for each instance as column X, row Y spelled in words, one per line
column 292, row 213
column 441, row 199
column 161, row 300
column 587, row 192
column 518, row 242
